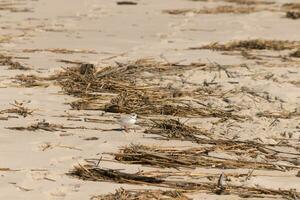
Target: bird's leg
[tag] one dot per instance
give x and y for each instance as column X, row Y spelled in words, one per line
column 126, row 129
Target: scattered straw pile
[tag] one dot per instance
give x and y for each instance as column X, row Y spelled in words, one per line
column 255, row 44
column 19, row 109
column 94, row 173
column 196, row 157
column 216, row 10
column 293, row 14
column 122, row 194
column 174, row 129
column 30, row 81
column 8, row 61
column 295, row 54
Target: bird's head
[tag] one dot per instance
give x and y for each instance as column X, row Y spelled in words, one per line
column 133, row 115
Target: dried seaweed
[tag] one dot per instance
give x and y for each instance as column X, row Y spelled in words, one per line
column 30, row 81
column 244, row 2
column 59, row 50
column 175, row 129
column 18, row 108
column 291, row 6
column 293, row 14
column 295, row 54
column 46, row 126
column 216, row 10
column 13, row 7
column 255, row 44
column 122, row 194
column 279, row 115
column 250, row 2
column 194, row 157
column 8, row 61
column 126, row 3
column 94, row 173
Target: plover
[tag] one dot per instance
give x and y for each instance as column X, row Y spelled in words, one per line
column 128, row 121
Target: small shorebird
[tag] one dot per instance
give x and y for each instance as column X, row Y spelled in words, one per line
column 128, row 121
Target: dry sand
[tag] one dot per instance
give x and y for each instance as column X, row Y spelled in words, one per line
column 30, row 170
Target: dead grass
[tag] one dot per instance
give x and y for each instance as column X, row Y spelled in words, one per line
column 8, row 61
column 30, row 81
column 255, row 44
column 95, row 173
column 200, row 157
column 122, row 194
column 216, row 10
column 19, row 109
column 295, row 54
column 293, row 14
column 60, row 50
column 291, row 6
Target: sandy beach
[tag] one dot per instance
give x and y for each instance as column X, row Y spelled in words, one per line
column 215, row 85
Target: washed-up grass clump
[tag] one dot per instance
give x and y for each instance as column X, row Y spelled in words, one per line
column 18, row 108
column 250, row 2
column 85, row 80
column 244, row 2
column 46, row 126
column 255, row 44
column 30, row 81
column 95, row 173
column 293, row 14
column 216, row 10
column 291, row 6
column 157, row 102
column 194, row 157
column 295, row 54
column 122, row 194
column 8, row 61
column 174, row 129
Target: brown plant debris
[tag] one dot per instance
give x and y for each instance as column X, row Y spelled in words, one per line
column 8, row 61
column 216, row 10
column 94, row 173
column 255, row 44
column 172, row 128
column 291, row 6
column 59, row 50
column 193, row 157
column 18, row 108
column 135, row 94
column 244, row 2
column 126, row 3
column 114, row 79
column 13, row 7
column 153, row 103
column 30, row 81
column 46, row 126
column 293, row 14
column 279, row 115
column 250, row 2
column 122, row 194
column 295, row 54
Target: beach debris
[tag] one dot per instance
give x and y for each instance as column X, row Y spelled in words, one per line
column 19, row 109
column 293, row 14
column 295, row 54
column 60, row 50
column 46, row 126
column 203, row 156
column 126, row 3
column 30, row 81
column 95, row 173
column 253, row 44
column 122, row 194
column 13, row 65
column 216, row 10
